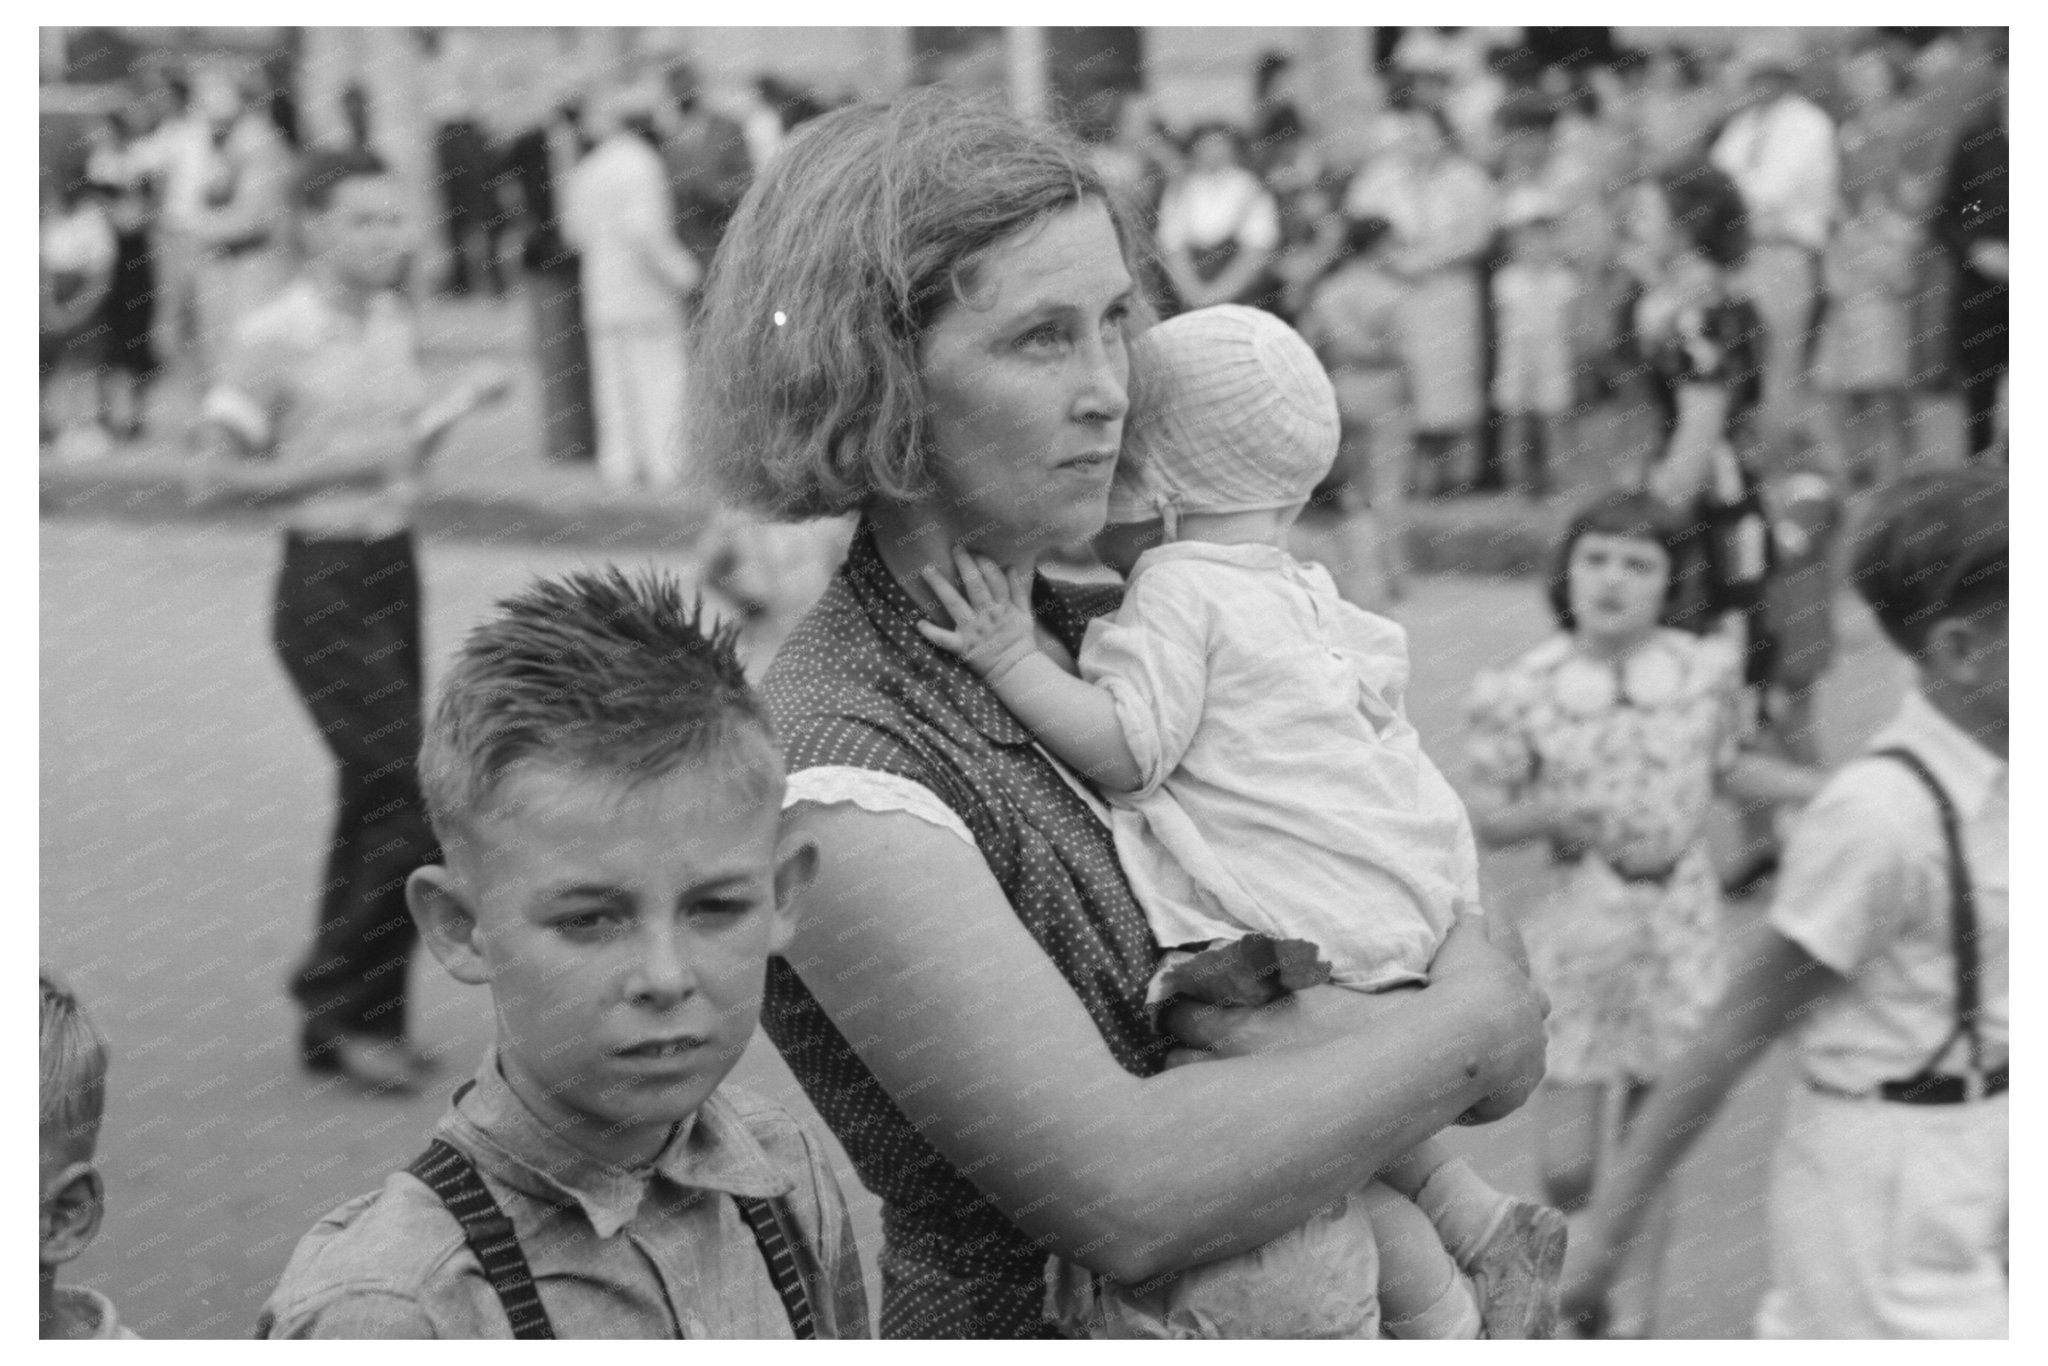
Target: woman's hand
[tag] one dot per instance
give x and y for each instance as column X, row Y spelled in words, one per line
column 1486, row 959
column 1303, row 1017
column 993, row 627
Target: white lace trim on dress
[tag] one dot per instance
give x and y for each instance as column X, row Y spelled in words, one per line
column 870, row 790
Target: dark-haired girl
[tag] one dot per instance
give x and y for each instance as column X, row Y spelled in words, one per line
column 1609, row 742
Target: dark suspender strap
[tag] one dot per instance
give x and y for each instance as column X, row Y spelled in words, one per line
column 783, row 1249
column 449, row 1175
column 1963, row 898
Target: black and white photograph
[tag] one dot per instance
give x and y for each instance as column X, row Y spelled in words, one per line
column 1127, row 683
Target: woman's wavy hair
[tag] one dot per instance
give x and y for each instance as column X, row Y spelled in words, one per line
column 805, row 389
column 1631, row 513
column 1707, row 210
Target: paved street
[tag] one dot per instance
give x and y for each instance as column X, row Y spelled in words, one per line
column 185, row 800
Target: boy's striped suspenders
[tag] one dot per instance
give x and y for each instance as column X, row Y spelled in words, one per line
column 450, row 1175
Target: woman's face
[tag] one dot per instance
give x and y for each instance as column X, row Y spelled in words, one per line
column 1615, row 585
column 1028, row 385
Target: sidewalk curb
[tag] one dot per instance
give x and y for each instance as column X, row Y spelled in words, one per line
column 1494, row 536
column 137, row 492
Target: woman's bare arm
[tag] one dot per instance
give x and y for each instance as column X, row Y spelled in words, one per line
column 910, row 946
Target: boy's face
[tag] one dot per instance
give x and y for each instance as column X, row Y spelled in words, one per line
column 364, row 232
column 624, row 933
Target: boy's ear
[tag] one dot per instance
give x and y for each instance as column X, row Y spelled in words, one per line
column 72, row 1205
column 1950, row 651
column 446, row 923
column 796, row 865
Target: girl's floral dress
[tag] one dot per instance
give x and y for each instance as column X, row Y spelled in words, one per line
column 1626, row 939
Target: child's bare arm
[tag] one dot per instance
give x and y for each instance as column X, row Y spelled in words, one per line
column 995, row 633
column 1757, row 777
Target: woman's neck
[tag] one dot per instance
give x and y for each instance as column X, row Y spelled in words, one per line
column 912, row 538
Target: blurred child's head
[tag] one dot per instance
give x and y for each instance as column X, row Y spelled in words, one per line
column 73, row 1092
column 1612, row 578
column 607, row 788
column 1930, row 559
column 1231, row 413
column 353, row 219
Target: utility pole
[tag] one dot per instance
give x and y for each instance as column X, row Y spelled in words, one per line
column 1024, row 70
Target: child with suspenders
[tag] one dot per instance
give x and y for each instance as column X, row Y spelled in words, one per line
column 1885, row 955
column 606, row 789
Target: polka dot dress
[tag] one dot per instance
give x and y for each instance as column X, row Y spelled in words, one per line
column 856, row 685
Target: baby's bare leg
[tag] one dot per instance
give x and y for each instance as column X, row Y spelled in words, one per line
column 1463, row 1208
column 1422, row 1293
column 1514, row 1249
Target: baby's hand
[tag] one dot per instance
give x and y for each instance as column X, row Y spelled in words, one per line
column 992, row 626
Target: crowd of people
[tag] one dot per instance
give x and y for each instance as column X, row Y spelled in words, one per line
column 1065, row 902
column 171, row 220
column 1473, row 278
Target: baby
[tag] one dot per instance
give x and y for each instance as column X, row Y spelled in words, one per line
column 1265, row 781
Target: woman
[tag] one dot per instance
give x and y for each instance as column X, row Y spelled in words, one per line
column 1704, row 343
column 636, row 280
column 1972, row 221
column 1312, row 231
column 919, row 313
column 1219, row 227
column 1441, row 205
column 118, row 175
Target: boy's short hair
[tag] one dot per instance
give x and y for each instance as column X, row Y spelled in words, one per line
column 1631, row 513
column 594, row 670
column 74, row 1071
column 322, row 172
column 1933, row 548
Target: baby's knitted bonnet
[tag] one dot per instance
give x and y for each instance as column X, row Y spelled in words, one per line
column 1232, row 412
